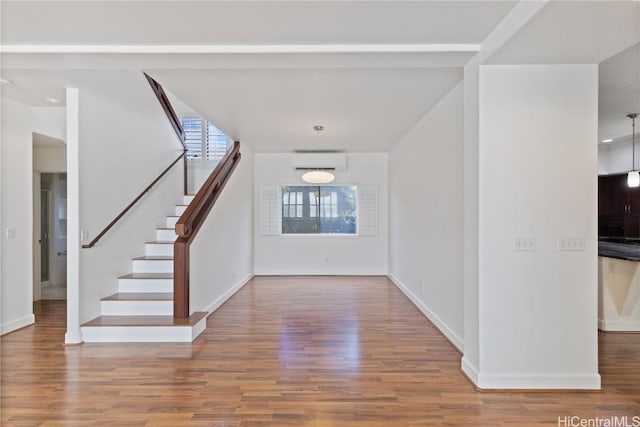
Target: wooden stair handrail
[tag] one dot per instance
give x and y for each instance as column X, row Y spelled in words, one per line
column 130, row 205
column 177, row 126
column 190, row 222
column 163, row 99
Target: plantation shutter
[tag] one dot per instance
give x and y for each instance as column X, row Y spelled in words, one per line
column 368, row 210
column 269, row 210
column 193, row 136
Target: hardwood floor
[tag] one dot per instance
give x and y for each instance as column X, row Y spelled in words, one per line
column 333, row 351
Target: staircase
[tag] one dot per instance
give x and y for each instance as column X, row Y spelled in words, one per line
column 142, row 310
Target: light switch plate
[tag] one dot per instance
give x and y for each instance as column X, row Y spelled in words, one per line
column 571, row 243
column 11, row 233
column 525, row 243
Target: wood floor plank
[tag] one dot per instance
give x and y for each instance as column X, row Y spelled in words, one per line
column 287, row 351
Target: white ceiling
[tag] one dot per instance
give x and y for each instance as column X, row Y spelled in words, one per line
column 249, row 22
column 275, row 109
column 574, row 32
column 366, row 101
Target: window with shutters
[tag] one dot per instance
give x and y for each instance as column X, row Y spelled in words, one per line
column 319, row 209
column 203, row 139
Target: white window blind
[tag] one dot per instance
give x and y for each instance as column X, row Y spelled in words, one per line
column 368, row 210
column 203, row 139
column 216, row 143
column 269, row 210
column 193, row 136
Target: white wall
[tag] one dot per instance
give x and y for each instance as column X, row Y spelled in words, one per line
column 198, row 172
column 366, row 255
column 125, row 141
column 50, row 159
column 19, row 122
column 616, row 158
column 221, row 255
column 426, row 215
column 538, row 178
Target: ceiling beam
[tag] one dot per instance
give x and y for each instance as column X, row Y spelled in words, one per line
column 241, row 49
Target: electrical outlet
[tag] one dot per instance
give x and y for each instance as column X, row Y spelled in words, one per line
column 422, row 286
column 612, row 267
column 524, row 243
column 84, row 236
column 571, row 243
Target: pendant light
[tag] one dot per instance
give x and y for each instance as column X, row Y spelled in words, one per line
column 633, row 177
column 318, row 176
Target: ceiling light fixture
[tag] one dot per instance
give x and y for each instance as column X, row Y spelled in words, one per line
column 6, row 82
column 633, row 177
column 607, row 140
column 51, row 99
column 318, row 176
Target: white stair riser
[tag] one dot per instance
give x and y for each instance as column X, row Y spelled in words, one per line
column 137, row 308
column 151, row 249
column 152, row 266
column 171, row 221
column 166, row 235
column 145, row 285
column 142, row 333
column 180, row 210
column 187, row 199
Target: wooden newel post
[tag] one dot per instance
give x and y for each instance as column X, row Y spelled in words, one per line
column 181, row 278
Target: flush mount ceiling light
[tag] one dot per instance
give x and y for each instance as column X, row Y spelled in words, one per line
column 605, row 141
column 5, row 82
column 633, row 177
column 318, row 176
column 51, row 99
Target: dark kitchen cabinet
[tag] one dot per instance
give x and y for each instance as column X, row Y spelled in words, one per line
column 618, row 207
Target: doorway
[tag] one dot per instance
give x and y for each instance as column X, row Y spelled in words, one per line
column 53, row 236
column 44, row 236
column 49, row 218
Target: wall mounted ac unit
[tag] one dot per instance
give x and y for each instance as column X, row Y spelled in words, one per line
column 323, row 161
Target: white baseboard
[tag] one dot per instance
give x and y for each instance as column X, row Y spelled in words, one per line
column 619, row 325
column 455, row 339
column 470, row 370
column 529, row 381
column 540, row 381
column 12, row 325
column 326, row 272
column 228, row 294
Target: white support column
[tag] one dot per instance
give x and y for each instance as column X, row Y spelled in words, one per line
column 535, row 311
column 470, row 360
column 73, row 335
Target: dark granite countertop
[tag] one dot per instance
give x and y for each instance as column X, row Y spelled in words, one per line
column 620, row 248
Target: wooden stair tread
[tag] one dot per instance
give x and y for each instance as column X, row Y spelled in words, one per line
column 104, row 321
column 147, row 276
column 140, row 296
column 155, row 258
